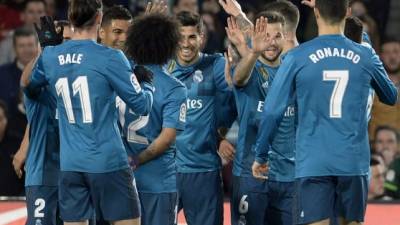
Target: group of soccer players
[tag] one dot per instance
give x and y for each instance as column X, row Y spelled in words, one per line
column 134, row 133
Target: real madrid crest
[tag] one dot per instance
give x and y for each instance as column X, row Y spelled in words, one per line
column 265, row 84
column 198, row 76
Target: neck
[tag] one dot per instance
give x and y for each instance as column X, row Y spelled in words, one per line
column 274, row 63
column 83, row 34
column 326, row 29
column 183, row 63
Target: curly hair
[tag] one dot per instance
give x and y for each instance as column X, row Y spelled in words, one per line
column 152, row 39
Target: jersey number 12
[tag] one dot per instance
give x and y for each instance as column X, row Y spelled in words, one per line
column 341, row 78
column 79, row 86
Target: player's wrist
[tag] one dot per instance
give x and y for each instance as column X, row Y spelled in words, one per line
column 238, row 14
column 260, row 160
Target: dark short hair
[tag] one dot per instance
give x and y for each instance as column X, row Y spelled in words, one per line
column 82, row 13
column 390, row 40
column 353, row 29
column 26, row 3
column 116, row 12
column 388, row 128
column 152, row 39
column 272, row 17
column 63, row 23
column 288, row 10
column 23, row 32
column 332, row 11
column 186, row 18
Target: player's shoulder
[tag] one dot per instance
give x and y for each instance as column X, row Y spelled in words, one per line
column 211, row 59
column 169, row 80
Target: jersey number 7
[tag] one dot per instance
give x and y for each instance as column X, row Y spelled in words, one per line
column 341, row 78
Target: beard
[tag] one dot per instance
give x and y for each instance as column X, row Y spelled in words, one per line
column 273, row 58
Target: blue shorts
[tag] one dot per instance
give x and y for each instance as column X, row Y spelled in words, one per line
column 249, row 201
column 159, row 208
column 111, row 196
column 42, row 205
column 320, row 198
column 201, row 197
column 280, row 203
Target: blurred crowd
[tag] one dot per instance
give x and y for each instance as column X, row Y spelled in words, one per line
column 18, row 45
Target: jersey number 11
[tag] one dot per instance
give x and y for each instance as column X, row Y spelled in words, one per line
column 79, row 86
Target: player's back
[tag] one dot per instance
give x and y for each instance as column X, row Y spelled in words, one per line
column 333, row 76
column 168, row 111
column 85, row 77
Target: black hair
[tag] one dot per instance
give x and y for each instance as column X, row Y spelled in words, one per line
column 388, row 128
column 390, row 40
column 332, row 11
column 26, row 3
column 152, row 39
column 186, row 18
column 116, row 12
column 82, row 13
column 23, row 32
column 272, row 17
column 288, row 10
column 353, row 29
column 63, row 23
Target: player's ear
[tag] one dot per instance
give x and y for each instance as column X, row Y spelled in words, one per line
column 102, row 33
column 316, row 13
column 99, row 17
column 348, row 13
column 202, row 38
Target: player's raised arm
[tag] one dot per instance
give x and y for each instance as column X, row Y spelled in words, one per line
column 236, row 36
column 48, row 36
column 276, row 102
column 138, row 97
column 232, row 7
column 260, row 42
column 383, row 86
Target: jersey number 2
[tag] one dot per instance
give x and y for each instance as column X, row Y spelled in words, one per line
column 341, row 78
column 79, row 86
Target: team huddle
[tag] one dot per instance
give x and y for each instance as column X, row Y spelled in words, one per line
column 127, row 118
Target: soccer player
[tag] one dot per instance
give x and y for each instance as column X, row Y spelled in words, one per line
column 114, row 27
column 198, row 164
column 268, row 202
column 272, row 202
column 40, row 149
column 95, row 174
column 151, row 139
column 43, row 159
column 330, row 77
